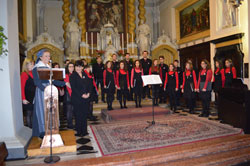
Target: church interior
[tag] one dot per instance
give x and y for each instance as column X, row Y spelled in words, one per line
column 201, row 31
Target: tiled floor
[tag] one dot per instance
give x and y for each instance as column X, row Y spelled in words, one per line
column 86, row 146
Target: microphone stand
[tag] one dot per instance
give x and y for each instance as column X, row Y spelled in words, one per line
column 51, row 159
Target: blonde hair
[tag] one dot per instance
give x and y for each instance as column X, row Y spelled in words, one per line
column 25, row 65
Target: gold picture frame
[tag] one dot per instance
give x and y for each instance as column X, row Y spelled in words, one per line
column 194, row 35
column 22, row 20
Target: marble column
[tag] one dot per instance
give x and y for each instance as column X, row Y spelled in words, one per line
column 66, row 16
column 12, row 131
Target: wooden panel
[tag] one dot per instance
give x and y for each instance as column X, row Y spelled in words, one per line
column 69, row 141
column 196, row 53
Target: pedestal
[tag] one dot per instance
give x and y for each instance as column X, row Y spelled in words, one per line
column 13, row 132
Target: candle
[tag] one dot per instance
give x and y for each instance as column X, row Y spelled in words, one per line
column 98, row 41
column 127, row 42
column 122, row 43
column 87, row 43
column 92, row 43
column 132, row 44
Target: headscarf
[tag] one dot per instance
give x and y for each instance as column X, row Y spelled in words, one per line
column 39, row 54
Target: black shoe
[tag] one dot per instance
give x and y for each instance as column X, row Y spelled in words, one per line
column 121, row 107
column 111, row 108
column 202, row 115
column 85, row 134
column 125, row 107
column 140, row 105
column 136, row 106
column 191, row 111
column 78, row 135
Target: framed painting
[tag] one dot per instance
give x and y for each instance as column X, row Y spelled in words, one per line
column 101, row 12
column 192, row 21
column 22, row 20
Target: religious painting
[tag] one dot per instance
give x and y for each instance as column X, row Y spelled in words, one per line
column 22, row 20
column 192, row 20
column 101, row 12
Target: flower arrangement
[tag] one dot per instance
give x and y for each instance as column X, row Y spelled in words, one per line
column 120, row 53
column 3, row 51
column 100, row 52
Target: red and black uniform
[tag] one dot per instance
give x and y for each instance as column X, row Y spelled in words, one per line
column 109, row 83
column 189, row 85
column 219, row 79
column 68, row 107
column 146, row 65
column 170, row 85
column 98, row 74
column 137, row 84
column 129, row 65
column 93, row 92
column 178, row 93
column 122, row 83
column 28, row 93
column 205, row 88
column 164, row 70
column 155, row 70
column 230, row 74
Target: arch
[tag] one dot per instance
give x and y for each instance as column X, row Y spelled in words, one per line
column 169, row 53
column 57, row 54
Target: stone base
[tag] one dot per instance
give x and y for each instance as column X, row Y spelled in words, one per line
column 17, row 145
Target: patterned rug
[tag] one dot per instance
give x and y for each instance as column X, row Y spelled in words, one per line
column 127, row 137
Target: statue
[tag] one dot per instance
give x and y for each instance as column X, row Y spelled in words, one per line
column 73, row 39
column 229, row 13
column 143, row 39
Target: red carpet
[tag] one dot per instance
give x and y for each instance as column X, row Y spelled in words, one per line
column 127, row 137
column 132, row 113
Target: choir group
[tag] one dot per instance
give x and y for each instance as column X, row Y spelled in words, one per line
column 80, row 86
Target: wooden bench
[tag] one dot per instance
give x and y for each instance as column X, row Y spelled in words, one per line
column 3, row 153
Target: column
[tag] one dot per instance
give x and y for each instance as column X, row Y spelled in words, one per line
column 131, row 46
column 66, row 16
column 13, row 132
column 82, row 24
column 142, row 12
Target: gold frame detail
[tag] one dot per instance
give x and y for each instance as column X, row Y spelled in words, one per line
column 196, row 36
column 56, row 54
column 167, row 47
column 23, row 36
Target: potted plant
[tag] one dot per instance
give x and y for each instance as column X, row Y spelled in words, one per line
column 3, row 51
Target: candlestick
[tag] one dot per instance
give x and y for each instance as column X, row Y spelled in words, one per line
column 87, row 50
column 122, row 43
column 92, row 43
column 127, row 42
column 132, row 44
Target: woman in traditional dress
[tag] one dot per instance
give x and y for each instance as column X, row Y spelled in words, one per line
column 43, row 58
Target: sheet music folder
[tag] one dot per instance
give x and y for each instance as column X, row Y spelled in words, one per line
column 151, row 80
column 58, row 73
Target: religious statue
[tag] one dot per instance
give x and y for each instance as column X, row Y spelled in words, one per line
column 73, row 39
column 143, row 39
column 229, row 13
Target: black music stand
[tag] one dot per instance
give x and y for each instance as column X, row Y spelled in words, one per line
column 49, row 74
column 152, row 80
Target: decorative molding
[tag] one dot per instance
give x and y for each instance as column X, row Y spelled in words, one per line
column 66, row 16
column 81, row 17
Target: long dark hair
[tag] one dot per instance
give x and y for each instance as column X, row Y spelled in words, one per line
column 191, row 66
column 106, row 64
column 67, row 67
column 140, row 66
column 171, row 64
column 220, row 64
column 207, row 63
column 125, row 66
column 230, row 61
column 152, row 67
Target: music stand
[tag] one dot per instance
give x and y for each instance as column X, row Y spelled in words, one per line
column 152, row 80
column 49, row 74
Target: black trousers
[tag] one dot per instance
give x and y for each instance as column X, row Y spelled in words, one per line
column 69, row 114
column 99, row 82
column 90, row 112
column 162, row 95
column 110, row 99
column 28, row 113
column 172, row 98
column 122, row 96
column 177, row 97
column 205, row 99
column 81, row 111
column 146, row 91
column 155, row 93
